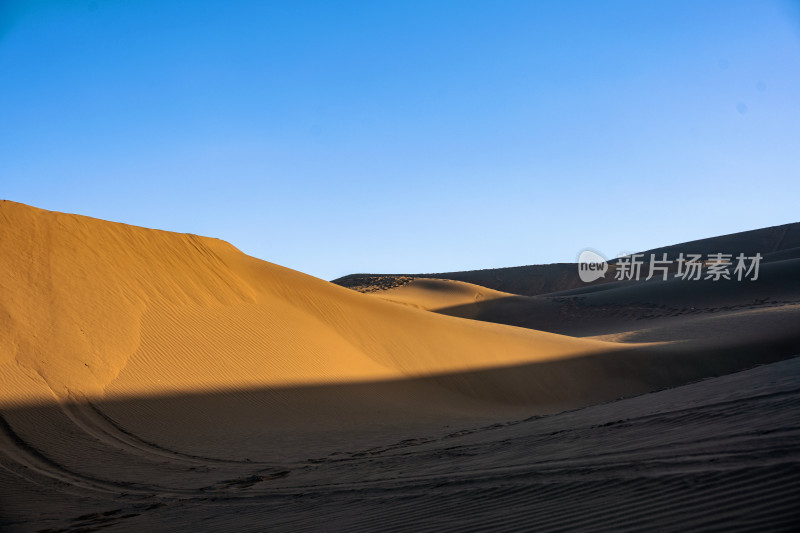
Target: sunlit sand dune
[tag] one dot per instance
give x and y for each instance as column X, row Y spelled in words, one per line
column 144, row 370
column 441, row 295
column 102, row 310
column 98, row 309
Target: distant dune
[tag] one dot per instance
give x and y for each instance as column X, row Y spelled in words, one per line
column 724, row 314
column 142, row 371
column 774, row 243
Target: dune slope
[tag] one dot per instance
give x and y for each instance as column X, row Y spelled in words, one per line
column 773, row 243
column 142, row 368
column 101, row 310
column 93, row 309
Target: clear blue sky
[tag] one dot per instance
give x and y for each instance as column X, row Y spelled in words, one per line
column 376, row 136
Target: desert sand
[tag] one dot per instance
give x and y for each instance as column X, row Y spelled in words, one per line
column 160, row 381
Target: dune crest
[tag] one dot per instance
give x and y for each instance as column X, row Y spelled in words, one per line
column 95, row 307
column 438, row 294
column 75, row 288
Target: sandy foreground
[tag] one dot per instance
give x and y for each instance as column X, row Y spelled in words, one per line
column 160, row 381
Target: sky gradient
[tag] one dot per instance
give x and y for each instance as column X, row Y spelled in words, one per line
column 335, row 138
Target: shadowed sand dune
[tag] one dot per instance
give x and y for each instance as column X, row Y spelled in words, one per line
column 770, row 305
column 153, row 380
column 718, row 454
column 773, row 243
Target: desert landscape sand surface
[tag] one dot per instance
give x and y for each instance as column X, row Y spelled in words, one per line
column 160, row 381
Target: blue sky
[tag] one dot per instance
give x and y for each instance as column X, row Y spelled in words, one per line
column 340, row 137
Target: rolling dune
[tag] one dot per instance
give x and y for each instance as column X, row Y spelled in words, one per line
column 145, row 375
column 774, row 243
column 96, row 309
column 620, row 309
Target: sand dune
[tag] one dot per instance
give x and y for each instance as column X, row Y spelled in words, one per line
column 719, row 454
column 440, row 295
column 103, row 310
column 96, row 308
column 149, row 374
column 773, row 243
column 771, row 305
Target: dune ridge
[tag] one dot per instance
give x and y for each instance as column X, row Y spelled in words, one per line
column 97, row 308
column 773, row 243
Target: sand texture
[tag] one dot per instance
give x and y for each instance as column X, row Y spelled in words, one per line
column 160, row 381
